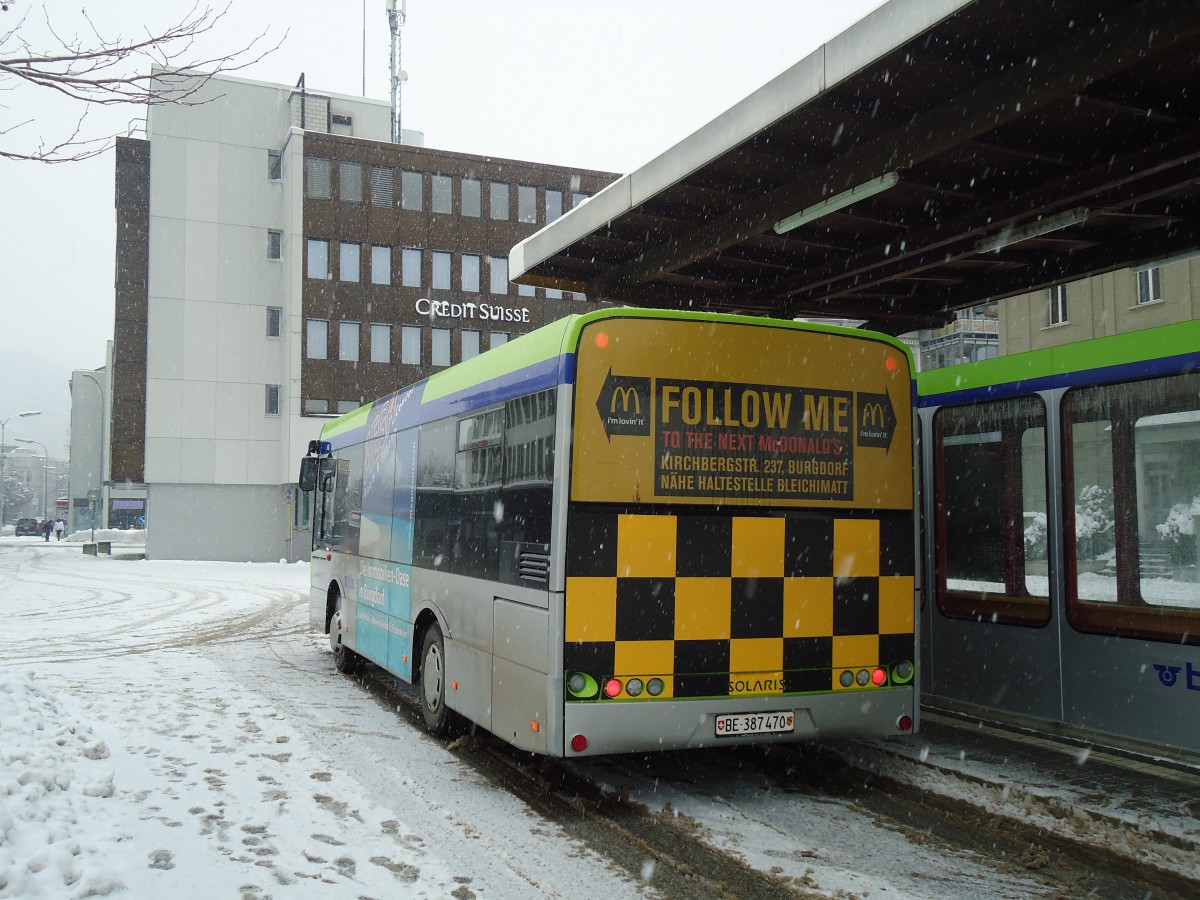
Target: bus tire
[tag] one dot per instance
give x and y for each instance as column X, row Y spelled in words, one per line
column 433, row 682
column 346, row 660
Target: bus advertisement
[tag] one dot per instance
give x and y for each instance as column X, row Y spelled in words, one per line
column 633, row 530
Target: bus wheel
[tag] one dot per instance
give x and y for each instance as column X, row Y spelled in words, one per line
column 346, row 660
column 433, row 683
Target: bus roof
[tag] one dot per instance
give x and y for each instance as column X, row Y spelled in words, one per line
column 1135, row 354
column 537, row 360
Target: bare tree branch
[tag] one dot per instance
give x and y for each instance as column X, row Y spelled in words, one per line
column 110, row 71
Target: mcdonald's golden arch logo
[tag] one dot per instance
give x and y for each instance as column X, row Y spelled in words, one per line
column 872, row 415
column 629, row 397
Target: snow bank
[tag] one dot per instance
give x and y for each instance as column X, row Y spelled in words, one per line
column 116, row 535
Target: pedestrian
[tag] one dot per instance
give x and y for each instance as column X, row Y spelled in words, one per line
column 47, row 527
column 59, row 527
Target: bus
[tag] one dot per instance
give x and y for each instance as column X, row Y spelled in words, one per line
column 1062, row 562
column 633, row 530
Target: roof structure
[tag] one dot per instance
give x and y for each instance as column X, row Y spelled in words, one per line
column 936, row 155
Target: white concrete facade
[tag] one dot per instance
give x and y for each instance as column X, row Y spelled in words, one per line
column 215, row 456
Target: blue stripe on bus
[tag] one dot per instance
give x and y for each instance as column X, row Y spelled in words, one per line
column 1143, row 368
column 540, row 376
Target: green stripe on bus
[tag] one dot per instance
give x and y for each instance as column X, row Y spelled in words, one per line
column 1114, row 350
column 348, row 422
column 529, row 349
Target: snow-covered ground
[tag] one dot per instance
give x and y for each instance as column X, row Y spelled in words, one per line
column 175, row 729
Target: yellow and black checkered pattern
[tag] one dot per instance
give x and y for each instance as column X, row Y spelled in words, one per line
column 738, row 605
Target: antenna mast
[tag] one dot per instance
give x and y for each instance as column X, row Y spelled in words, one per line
column 397, row 10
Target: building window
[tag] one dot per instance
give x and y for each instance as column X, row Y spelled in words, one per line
column 274, row 165
column 410, row 345
column 578, row 199
column 1058, row 305
column 317, row 171
column 526, row 290
column 318, row 339
column 381, row 264
column 272, row 406
column 410, row 267
column 383, row 186
column 498, row 200
column 274, row 321
column 315, row 407
column 526, row 204
column 346, row 406
column 470, row 273
column 350, row 182
column 498, row 339
column 470, row 343
column 381, row 343
column 1149, row 285
column 274, row 244
column 553, row 205
column 348, row 261
column 348, row 341
column 412, row 185
column 553, row 294
column 443, row 194
column 318, row 259
column 497, row 275
column 441, row 270
column 471, row 198
column 441, row 347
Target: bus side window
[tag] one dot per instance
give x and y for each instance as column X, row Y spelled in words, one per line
column 435, row 508
column 347, row 500
column 990, row 511
column 1132, row 502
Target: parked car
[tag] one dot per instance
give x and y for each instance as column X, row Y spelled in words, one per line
column 27, row 527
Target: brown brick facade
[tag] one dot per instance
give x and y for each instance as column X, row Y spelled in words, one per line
column 335, row 220
column 128, row 436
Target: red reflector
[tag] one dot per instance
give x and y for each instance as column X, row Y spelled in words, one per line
column 891, row 365
column 579, row 743
column 602, row 340
column 904, row 723
column 879, row 676
column 612, row 687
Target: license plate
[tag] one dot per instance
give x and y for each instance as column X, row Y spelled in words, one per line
column 737, row 724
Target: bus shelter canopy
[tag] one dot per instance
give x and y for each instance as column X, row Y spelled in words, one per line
column 936, row 155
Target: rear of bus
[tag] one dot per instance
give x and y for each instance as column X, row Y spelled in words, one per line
column 740, row 553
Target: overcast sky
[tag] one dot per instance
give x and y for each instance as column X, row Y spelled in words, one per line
column 600, row 84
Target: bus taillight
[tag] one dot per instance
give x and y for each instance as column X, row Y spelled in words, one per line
column 612, row 687
column 878, row 677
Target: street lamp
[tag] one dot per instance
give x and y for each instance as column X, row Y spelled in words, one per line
column 45, row 474
column 3, row 425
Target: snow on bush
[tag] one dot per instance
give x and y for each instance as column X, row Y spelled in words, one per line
column 1093, row 525
column 1180, row 521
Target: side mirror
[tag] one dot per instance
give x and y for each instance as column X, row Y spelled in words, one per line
column 308, row 473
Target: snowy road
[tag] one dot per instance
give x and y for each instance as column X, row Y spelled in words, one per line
column 175, row 729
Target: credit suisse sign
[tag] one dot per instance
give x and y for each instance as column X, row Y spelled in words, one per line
column 484, row 312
